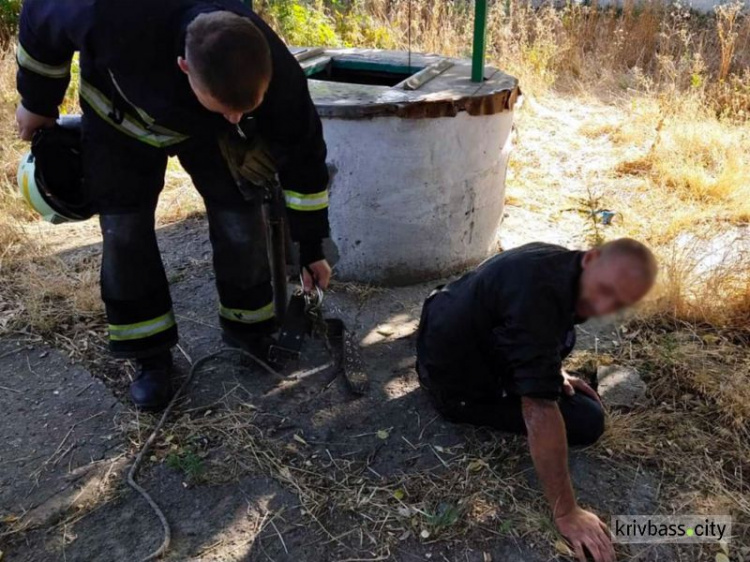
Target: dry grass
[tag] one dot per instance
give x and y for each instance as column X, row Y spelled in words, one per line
column 179, row 200
column 688, row 187
column 360, row 291
column 14, row 212
column 704, row 281
column 649, row 47
column 698, row 158
column 475, row 488
column 695, row 427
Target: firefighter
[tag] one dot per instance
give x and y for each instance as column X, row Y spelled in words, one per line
column 173, row 78
column 490, row 350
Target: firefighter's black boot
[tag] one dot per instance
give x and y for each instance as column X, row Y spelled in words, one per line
column 253, row 343
column 152, row 388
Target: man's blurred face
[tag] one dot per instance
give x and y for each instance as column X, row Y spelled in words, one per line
column 609, row 284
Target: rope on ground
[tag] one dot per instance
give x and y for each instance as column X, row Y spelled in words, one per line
column 150, row 441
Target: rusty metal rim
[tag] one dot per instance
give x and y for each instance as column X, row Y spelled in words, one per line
column 490, row 104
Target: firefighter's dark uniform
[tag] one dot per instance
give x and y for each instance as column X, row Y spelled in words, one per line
column 139, row 109
column 501, row 332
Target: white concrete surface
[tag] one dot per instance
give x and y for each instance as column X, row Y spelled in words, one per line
column 414, row 199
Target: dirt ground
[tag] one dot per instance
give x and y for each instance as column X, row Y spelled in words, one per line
column 315, row 416
column 252, row 469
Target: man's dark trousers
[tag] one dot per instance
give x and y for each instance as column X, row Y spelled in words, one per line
column 583, row 416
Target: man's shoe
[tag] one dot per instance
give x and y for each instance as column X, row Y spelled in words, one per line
column 152, row 388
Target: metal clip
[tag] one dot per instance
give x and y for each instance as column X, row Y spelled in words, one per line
column 313, row 300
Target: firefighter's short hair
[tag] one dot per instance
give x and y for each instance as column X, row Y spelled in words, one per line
column 230, row 57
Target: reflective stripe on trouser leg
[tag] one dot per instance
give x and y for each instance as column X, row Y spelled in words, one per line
column 141, row 330
column 247, row 316
column 134, row 286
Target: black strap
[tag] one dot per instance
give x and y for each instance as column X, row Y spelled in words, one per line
column 293, row 331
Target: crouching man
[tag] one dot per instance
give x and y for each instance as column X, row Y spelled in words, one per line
column 177, row 78
column 490, row 351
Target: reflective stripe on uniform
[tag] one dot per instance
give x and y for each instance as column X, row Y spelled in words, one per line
column 130, row 126
column 142, row 330
column 145, row 117
column 247, row 316
column 306, row 201
column 28, row 62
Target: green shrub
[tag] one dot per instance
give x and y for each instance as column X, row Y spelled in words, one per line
column 361, row 30
column 9, row 11
column 302, row 23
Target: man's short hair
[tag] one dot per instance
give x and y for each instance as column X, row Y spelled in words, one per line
column 230, row 57
column 637, row 251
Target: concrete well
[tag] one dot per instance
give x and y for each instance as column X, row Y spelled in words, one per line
column 420, row 154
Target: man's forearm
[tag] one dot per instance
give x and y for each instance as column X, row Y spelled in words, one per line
column 549, row 451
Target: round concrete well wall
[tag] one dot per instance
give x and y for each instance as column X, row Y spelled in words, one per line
column 419, row 169
column 413, row 203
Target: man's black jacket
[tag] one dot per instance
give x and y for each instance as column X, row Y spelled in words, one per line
column 504, row 327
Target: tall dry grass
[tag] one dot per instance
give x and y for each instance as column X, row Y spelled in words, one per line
column 41, row 293
column 685, row 177
column 650, row 46
column 13, row 211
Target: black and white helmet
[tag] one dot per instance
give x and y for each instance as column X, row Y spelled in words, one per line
column 50, row 175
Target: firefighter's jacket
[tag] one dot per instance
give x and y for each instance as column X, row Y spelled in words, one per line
column 130, row 78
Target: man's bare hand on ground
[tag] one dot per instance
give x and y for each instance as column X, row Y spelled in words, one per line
column 584, row 529
column 321, row 275
column 572, row 384
column 28, row 122
column 549, row 451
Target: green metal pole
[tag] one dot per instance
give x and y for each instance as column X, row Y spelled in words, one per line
column 480, row 38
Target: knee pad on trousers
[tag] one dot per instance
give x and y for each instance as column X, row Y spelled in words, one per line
column 128, row 229
column 131, row 262
column 244, row 226
column 240, row 249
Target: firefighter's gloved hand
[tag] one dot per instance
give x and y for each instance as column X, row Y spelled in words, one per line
column 248, row 159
